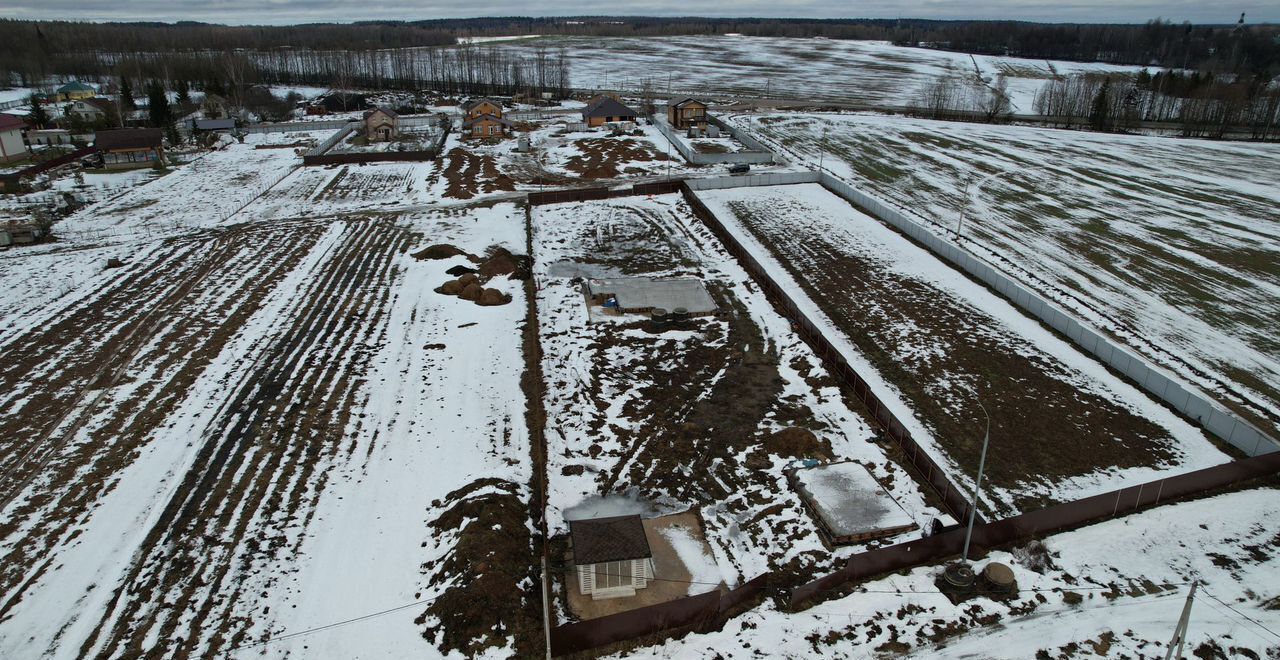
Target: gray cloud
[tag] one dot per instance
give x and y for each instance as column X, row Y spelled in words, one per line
column 278, row 12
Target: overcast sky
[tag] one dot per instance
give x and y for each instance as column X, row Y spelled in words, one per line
column 298, row 11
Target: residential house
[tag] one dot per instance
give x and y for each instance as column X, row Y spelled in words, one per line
column 483, row 118
column 95, row 110
column 12, row 146
column 686, row 113
column 606, row 109
column 381, row 124
column 75, row 90
column 611, row 556
column 130, row 147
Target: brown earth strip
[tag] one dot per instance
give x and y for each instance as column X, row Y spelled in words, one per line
column 918, row 336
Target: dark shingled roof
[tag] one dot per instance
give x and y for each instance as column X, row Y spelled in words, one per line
column 129, row 138
column 384, row 110
column 469, row 105
column 607, row 107
column 618, row 538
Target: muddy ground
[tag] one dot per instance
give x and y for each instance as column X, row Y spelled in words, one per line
column 924, row 340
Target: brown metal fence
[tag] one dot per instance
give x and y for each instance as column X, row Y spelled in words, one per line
column 953, row 499
column 700, row 613
column 357, row 157
column 7, row 180
column 564, row 196
column 1052, row 519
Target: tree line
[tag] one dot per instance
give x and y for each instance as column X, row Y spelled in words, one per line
column 1200, row 105
column 35, row 50
column 1252, row 50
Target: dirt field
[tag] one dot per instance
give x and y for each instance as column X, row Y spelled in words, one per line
column 1168, row 245
column 197, row 447
column 691, row 417
column 1055, row 418
column 469, row 174
column 599, row 157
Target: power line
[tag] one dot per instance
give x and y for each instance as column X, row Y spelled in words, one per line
column 332, row 625
column 1241, row 614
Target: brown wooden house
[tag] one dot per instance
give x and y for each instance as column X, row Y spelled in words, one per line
column 130, row 147
column 606, row 109
column 686, row 113
column 482, row 118
column 381, row 125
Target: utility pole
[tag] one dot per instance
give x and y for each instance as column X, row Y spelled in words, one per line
column 977, row 485
column 1180, row 633
column 822, row 148
column 964, row 206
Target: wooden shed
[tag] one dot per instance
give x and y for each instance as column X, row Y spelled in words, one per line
column 130, row 147
column 611, row 555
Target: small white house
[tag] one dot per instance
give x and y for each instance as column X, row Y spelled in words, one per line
column 611, row 556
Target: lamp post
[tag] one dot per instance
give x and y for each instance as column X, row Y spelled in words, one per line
column 977, row 485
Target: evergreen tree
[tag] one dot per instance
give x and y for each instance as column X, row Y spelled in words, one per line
column 158, row 105
column 1099, row 117
column 126, row 95
column 184, row 92
column 39, row 117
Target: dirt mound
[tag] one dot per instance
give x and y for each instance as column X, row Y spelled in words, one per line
column 471, row 292
column 502, row 262
column 450, row 288
column 488, row 584
column 460, row 270
column 440, row 251
column 492, row 297
column 797, row 443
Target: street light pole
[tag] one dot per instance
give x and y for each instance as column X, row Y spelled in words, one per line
column 977, row 486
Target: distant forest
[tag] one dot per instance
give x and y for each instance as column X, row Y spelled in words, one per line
column 31, row 52
column 31, row 48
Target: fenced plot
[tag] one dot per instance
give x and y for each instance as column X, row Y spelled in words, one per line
column 946, row 347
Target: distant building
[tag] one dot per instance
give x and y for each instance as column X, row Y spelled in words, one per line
column 685, row 113
column 606, row 109
column 381, row 125
column 94, row 109
column 213, row 125
column 130, row 147
column 12, row 147
column 483, row 118
column 611, row 556
column 49, row 136
column 75, row 90
column 17, row 233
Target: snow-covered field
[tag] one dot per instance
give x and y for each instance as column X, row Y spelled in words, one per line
column 1114, row 589
column 255, row 428
column 863, row 72
column 939, row 348
column 1170, row 245
column 266, row 435
column 687, row 417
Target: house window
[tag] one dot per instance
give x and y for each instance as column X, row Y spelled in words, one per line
column 493, row 129
column 613, row 574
